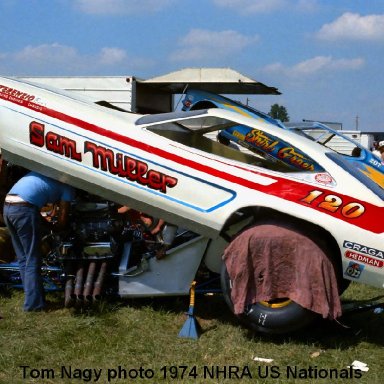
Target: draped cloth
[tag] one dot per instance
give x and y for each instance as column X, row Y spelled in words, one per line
column 268, row 262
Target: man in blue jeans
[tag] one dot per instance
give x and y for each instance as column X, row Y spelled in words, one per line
column 22, row 217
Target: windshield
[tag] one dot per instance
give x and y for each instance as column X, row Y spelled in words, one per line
column 326, row 136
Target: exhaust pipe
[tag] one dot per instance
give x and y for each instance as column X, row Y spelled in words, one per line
column 78, row 291
column 69, row 292
column 99, row 281
column 88, row 286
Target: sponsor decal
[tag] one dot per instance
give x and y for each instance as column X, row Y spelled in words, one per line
column 363, row 249
column 278, row 149
column 364, row 259
column 354, row 270
column 291, row 156
column 240, row 136
column 103, row 158
column 260, row 140
column 14, row 95
column 323, row 178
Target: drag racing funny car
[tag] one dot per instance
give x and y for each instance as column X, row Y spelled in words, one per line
column 285, row 224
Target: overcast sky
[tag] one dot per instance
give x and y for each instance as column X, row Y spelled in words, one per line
column 325, row 56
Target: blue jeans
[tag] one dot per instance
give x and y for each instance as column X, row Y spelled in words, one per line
column 23, row 223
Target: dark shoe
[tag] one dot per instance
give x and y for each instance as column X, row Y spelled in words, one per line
column 35, row 310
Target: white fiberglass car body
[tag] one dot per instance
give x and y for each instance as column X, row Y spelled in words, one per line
column 165, row 166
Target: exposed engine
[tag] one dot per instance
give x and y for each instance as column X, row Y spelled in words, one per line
column 85, row 259
column 88, row 249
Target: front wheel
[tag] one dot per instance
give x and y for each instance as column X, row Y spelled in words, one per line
column 273, row 317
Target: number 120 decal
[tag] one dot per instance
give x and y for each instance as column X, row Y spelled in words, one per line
column 333, row 203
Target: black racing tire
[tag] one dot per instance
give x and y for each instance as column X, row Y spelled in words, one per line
column 277, row 317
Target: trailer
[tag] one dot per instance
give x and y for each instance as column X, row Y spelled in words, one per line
column 157, row 94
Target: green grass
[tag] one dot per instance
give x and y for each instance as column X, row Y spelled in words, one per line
column 136, row 334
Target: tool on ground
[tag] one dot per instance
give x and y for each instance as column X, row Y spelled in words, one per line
column 191, row 328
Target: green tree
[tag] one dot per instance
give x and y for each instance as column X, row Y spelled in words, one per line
column 279, row 112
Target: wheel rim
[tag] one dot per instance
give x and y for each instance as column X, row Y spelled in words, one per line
column 276, row 303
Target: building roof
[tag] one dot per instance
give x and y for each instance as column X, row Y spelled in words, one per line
column 216, row 80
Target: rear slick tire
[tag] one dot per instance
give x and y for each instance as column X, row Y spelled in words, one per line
column 274, row 317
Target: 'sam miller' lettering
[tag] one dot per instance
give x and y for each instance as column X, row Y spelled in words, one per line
column 103, row 158
column 128, row 167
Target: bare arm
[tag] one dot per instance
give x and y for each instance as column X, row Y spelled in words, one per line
column 63, row 215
